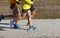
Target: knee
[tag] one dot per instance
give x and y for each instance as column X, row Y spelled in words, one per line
column 34, row 12
column 29, row 17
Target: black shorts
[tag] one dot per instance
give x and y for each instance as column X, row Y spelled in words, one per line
column 12, row 6
column 32, row 7
column 25, row 10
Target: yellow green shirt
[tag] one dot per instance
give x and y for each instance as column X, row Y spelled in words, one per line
column 26, row 4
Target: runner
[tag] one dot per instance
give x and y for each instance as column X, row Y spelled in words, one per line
column 26, row 5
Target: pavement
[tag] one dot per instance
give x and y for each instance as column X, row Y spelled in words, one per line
column 45, row 28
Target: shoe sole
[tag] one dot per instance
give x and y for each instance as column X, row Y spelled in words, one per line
column 32, row 29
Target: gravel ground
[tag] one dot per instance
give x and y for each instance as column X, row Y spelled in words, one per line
column 45, row 28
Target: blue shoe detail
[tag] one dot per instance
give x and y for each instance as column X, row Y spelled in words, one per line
column 1, row 17
column 16, row 26
column 31, row 27
column 12, row 23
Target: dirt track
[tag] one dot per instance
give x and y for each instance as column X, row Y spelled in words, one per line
column 46, row 28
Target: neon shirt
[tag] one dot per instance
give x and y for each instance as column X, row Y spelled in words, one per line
column 26, row 4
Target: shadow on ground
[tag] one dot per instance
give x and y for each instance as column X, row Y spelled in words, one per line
column 4, row 23
column 2, row 29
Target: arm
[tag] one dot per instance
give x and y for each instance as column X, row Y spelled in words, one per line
column 17, row 1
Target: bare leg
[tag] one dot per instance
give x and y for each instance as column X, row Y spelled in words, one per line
column 33, row 13
column 29, row 18
column 16, row 14
column 5, row 16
